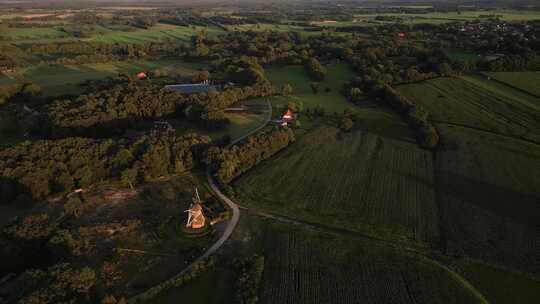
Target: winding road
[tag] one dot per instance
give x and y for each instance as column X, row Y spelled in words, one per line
column 232, row 205
column 231, row 224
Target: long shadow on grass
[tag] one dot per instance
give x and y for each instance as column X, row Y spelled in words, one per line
column 524, row 208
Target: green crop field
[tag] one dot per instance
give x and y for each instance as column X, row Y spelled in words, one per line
column 476, row 103
column 359, row 181
column 526, row 81
column 304, row 267
column 488, row 189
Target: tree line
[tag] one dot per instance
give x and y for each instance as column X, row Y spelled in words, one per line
column 230, row 162
column 416, row 116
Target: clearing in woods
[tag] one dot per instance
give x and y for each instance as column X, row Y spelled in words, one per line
column 358, row 181
column 475, row 103
column 328, row 97
column 488, row 189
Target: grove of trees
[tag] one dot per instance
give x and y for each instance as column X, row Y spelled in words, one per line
column 35, row 170
column 230, row 162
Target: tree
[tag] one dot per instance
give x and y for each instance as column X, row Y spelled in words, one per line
column 287, row 90
column 346, row 124
column 73, row 206
column 315, row 69
column 355, row 95
column 129, row 177
column 315, row 87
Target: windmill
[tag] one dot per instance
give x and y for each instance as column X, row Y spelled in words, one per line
column 196, row 218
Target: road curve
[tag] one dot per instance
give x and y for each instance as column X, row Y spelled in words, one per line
column 232, row 205
column 231, row 223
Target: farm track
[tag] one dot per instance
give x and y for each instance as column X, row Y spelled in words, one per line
column 485, row 131
column 330, row 229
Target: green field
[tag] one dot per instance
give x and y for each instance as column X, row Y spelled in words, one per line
column 156, row 33
column 66, row 79
column 96, row 33
column 333, row 101
column 488, row 189
column 266, row 27
column 526, row 81
column 20, row 34
column 477, row 103
column 358, row 181
column 442, row 17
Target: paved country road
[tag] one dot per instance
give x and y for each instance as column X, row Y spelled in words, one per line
column 234, row 207
column 231, row 224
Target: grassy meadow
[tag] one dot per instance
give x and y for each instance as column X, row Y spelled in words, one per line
column 296, row 76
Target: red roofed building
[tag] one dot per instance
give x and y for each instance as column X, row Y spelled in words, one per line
column 141, row 75
column 402, row 35
column 288, row 116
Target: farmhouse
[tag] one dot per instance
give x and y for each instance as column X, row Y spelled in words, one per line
column 141, row 75
column 192, row 88
column 287, row 118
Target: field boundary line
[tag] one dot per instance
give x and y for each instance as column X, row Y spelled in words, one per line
column 530, row 141
column 456, row 276
column 335, row 230
column 492, row 78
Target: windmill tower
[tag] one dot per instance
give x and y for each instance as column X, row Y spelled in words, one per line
column 196, row 219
